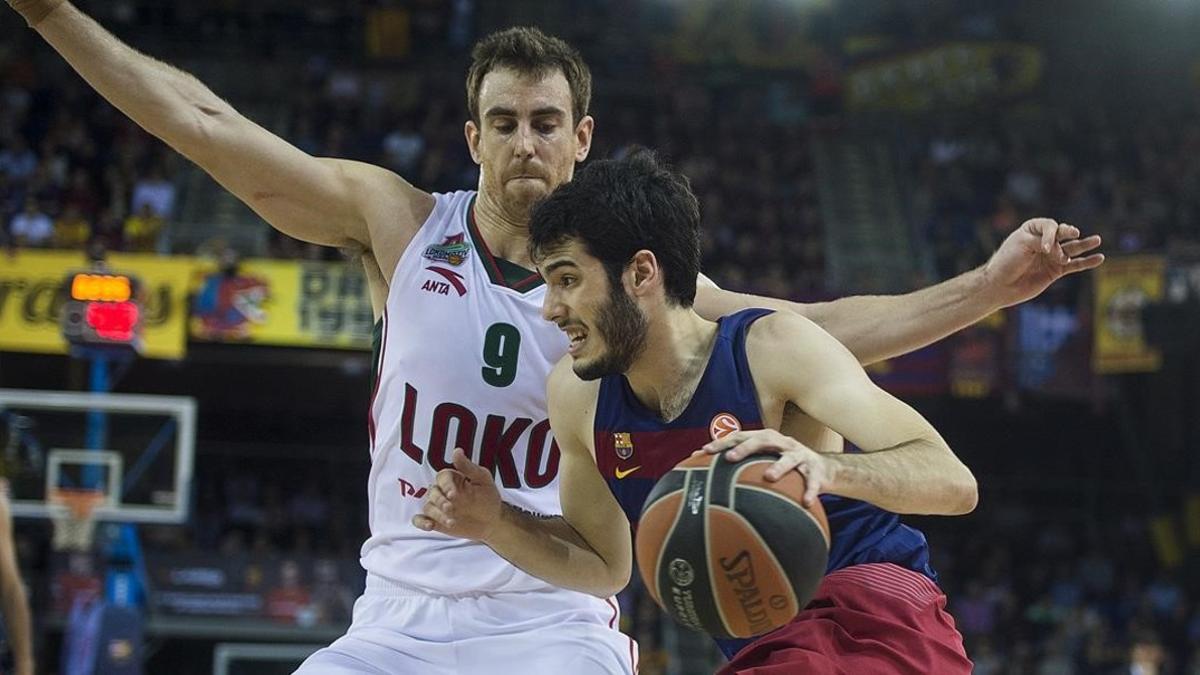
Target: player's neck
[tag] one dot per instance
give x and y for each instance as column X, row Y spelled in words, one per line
column 506, row 234
column 665, row 375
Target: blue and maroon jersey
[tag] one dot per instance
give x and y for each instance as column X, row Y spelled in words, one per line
column 634, row 448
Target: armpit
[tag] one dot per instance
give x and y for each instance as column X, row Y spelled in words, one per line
column 800, row 426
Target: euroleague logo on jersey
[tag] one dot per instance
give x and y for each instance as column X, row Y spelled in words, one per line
column 722, row 425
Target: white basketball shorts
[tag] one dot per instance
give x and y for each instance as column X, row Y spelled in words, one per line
column 400, row 631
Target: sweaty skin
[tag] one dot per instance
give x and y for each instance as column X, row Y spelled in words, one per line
column 906, row 466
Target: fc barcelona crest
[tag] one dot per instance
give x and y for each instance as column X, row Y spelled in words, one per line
column 623, row 442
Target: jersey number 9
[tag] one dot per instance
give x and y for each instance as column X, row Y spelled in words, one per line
column 500, row 348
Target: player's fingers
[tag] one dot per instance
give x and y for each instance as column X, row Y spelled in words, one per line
column 449, row 481
column 470, row 469
column 812, row 485
column 724, row 443
column 440, row 518
column 439, row 499
column 1086, row 263
column 1067, row 232
column 422, row 522
column 1078, row 247
column 779, row 469
column 1048, row 229
column 748, row 447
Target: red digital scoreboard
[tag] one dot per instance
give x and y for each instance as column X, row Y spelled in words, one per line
column 101, row 309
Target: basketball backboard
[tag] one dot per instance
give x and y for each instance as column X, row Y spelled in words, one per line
column 137, row 449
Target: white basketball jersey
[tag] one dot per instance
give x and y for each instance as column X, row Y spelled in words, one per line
column 463, row 363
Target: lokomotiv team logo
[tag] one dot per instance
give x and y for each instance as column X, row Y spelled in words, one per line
column 453, row 251
column 722, row 425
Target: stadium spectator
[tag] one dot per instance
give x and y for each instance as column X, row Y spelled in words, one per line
column 71, row 229
column 143, row 228
column 153, row 194
column 17, row 159
column 31, row 227
column 288, row 600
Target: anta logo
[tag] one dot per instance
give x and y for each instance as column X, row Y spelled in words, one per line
column 452, row 280
column 722, row 425
column 453, row 251
column 408, row 490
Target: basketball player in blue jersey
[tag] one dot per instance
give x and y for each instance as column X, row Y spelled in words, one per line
column 462, row 353
column 647, row 381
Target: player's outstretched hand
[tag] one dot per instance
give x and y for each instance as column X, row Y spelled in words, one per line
column 1036, row 255
column 462, row 502
column 792, row 455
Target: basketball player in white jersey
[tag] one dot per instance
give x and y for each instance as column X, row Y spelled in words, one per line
column 463, row 353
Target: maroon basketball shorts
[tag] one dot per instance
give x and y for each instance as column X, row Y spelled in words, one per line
column 873, row 619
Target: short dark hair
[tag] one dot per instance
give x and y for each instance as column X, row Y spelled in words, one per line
column 530, row 52
column 617, row 207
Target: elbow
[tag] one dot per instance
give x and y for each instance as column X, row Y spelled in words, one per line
column 613, row 583
column 201, row 130
column 964, row 496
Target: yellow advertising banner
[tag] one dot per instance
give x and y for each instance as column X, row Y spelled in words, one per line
column 1123, row 287
column 750, row 34
column 30, row 299
column 948, row 75
column 269, row 302
column 283, row 302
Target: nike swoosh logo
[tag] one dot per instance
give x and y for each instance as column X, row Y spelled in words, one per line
column 622, row 474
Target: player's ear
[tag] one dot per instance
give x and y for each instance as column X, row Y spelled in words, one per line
column 646, row 272
column 471, row 131
column 583, row 137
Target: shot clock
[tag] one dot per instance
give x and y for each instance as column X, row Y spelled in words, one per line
column 102, row 310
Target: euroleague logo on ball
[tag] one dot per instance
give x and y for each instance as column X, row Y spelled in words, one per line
column 681, row 572
column 722, row 425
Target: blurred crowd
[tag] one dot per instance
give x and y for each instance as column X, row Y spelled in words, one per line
column 75, row 173
column 1135, row 182
column 1054, row 598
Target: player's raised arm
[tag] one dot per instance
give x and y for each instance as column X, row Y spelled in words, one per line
column 13, row 601
column 587, row 549
column 906, row 466
column 877, row 327
column 323, row 201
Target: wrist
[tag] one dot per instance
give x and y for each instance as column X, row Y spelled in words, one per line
column 504, row 519
column 34, row 11
column 983, row 289
column 835, row 470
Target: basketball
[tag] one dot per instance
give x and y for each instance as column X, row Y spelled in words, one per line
column 725, row 551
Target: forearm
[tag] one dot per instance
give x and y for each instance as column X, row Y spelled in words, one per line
column 918, row 477
column 17, row 623
column 878, row 327
column 167, row 102
column 550, row 549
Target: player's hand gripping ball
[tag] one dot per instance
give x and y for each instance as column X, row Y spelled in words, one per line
column 726, row 551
